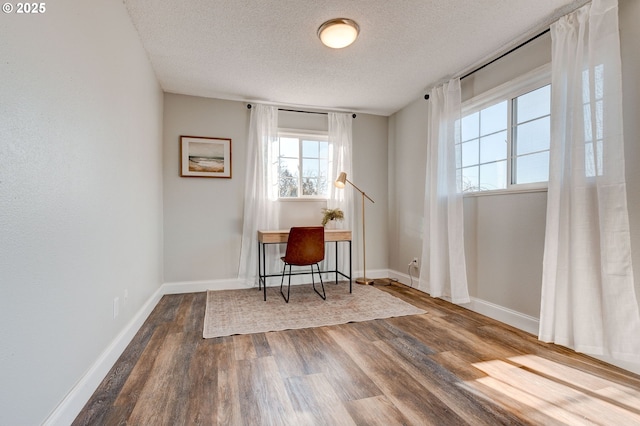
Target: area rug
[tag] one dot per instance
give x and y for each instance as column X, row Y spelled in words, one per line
column 244, row 311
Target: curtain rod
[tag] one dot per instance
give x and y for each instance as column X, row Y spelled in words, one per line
column 524, row 43
column 300, row 111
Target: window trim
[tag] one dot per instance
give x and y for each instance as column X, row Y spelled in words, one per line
column 532, row 80
column 300, row 134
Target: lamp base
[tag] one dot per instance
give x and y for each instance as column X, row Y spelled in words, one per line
column 364, row 281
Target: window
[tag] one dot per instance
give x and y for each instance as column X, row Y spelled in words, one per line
column 531, row 136
column 303, row 162
column 505, row 136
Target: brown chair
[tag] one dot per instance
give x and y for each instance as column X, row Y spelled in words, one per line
column 305, row 247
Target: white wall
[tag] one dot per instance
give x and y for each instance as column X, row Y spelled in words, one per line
column 203, row 217
column 80, row 196
column 504, row 234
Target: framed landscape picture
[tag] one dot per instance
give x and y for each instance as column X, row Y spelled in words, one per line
column 205, row 157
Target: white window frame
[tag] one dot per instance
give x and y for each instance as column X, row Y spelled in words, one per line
column 508, row 91
column 302, row 134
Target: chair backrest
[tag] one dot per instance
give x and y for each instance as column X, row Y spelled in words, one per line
column 305, row 245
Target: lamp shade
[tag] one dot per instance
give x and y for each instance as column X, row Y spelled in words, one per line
column 338, row 33
column 341, row 181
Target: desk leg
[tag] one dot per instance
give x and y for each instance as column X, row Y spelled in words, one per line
column 350, row 268
column 259, row 267
column 336, row 263
column 262, row 279
column 264, row 272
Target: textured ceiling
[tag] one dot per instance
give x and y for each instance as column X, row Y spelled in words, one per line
column 268, row 51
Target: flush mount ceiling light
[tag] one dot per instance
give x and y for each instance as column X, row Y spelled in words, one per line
column 338, row 33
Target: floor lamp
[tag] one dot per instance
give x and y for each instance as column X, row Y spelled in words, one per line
column 340, row 183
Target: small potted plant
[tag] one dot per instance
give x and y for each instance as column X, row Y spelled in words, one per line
column 330, row 215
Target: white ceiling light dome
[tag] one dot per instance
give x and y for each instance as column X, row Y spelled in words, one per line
column 338, row 33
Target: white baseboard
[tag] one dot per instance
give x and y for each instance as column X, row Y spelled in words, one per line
column 410, row 280
column 189, row 287
column 508, row 316
column 69, row 408
column 236, row 284
column 199, row 286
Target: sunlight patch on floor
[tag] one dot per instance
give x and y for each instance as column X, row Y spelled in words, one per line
column 561, row 392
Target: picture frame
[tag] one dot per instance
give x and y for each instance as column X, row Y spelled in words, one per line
column 202, row 156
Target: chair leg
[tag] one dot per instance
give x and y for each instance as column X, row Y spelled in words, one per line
column 323, row 295
column 286, row 299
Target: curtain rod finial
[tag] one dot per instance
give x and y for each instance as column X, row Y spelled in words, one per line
column 248, row 106
column 354, row 116
column 426, row 97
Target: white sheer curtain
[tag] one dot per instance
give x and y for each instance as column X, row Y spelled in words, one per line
column 588, row 296
column 340, row 142
column 443, row 272
column 261, row 192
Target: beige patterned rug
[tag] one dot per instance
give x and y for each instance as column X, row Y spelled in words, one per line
column 231, row 312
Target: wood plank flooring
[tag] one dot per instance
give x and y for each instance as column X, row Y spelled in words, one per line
column 449, row 366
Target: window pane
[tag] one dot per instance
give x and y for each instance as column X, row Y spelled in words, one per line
column 493, row 176
column 494, row 147
column 588, row 136
column 533, row 136
column 470, row 154
column 493, row 119
column 599, row 81
column 288, row 187
column 588, row 123
column 309, row 186
column 289, row 147
column 310, row 149
column 470, row 179
column 532, row 168
column 599, row 120
column 289, row 167
column 323, row 181
column 310, row 167
column 470, row 126
column 593, row 159
column 324, row 149
column 533, row 104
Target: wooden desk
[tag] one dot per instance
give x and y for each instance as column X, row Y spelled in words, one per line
column 281, row 237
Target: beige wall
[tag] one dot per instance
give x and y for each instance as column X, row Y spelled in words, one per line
column 80, row 196
column 203, row 217
column 504, row 234
column 84, row 168
column 630, row 39
column 407, row 159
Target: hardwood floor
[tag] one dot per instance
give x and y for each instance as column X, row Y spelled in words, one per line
column 449, row 366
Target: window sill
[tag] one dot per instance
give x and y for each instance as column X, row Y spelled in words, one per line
column 302, row 200
column 505, row 191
